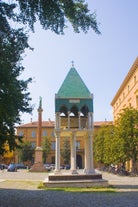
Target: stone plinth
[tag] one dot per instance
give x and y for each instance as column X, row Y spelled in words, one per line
column 79, row 180
column 38, row 165
column 74, row 177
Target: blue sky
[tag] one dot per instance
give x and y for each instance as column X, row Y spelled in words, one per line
column 102, row 61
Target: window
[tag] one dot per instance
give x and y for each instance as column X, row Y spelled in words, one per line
column 21, row 134
column 134, row 79
column 77, row 144
column 119, row 100
column 44, row 133
column 53, row 159
column 33, row 144
column 53, row 145
column 52, row 134
column 123, row 95
column 136, row 100
column 33, row 134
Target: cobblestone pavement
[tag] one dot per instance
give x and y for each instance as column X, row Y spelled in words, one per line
column 19, row 189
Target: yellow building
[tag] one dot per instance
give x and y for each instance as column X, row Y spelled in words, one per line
column 29, row 132
column 127, row 94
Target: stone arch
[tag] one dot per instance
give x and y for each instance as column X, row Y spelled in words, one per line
column 85, row 110
column 74, row 110
column 63, row 110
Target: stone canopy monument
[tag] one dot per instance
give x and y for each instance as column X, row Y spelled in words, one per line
column 74, row 118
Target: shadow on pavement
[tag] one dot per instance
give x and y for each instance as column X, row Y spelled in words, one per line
column 47, row 198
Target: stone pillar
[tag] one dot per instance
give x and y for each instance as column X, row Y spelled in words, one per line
column 79, row 120
column 57, row 126
column 68, row 119
column 38, row 164
column 57, row 157
column 86, row 152
column 89, row 168
column 89, row 120
column 39, row 133
column 73, row 154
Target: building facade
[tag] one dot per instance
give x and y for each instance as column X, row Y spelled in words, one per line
column 127, row 94
column 29, row 132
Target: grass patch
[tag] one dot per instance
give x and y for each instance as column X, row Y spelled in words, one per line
column 79, row 190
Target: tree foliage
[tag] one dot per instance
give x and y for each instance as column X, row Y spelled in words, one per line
column 55, row 15
column 26, row 152
column 14, row 97
column 103, row 141
column 127, row 130
column 119, row 143
column 65, row 151
column 46, row 148
column 16, row 17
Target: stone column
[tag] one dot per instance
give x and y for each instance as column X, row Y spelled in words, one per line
column 57, row 157
column 73, row 154
column 38, row 164
column 68, row 119
column 79, row 120
column 39, row 133
column 57, row 124
column 89, row 120
column 86, row 153
column 89, row 168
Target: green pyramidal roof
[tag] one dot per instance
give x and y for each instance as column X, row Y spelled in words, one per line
column 73, row 86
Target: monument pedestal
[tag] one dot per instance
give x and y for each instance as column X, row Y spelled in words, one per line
column 78, row 180
column 38, row 166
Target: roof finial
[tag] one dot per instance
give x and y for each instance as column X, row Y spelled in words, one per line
column 72, row 63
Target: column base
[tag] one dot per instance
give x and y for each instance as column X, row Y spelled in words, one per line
column 38, row 167
column 57, row 172
column 89, row 171
column 74, row 172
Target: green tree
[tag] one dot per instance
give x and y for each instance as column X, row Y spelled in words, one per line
column 98, row 145
column 46, row 148
column 127, row 130
column 26, row 152
column 65, row 151
column 55, row 15
column 14, row 98
column 15, row 17
column 109, row 146
column 103, row 145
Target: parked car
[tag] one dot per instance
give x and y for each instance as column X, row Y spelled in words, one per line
column 21, row 166
column 12, row 168
column 3, row 166
column 47, row 166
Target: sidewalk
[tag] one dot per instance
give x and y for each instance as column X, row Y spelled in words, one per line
column 121, row 182
column 31, row 179
column 20, row 189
